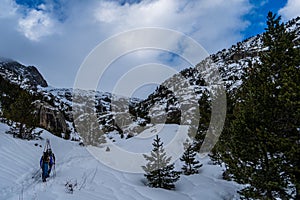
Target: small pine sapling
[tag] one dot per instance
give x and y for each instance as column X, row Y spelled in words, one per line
column 191, row 165
column 159, row 172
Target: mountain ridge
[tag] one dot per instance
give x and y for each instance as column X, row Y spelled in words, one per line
column 28, row 77
column 163, row 105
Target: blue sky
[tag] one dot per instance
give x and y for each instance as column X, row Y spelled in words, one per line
column 57, row 35
column 257, row 16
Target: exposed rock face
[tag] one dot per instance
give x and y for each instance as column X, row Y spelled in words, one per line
column 35, row 76
column 52, row 119
column 26, row 77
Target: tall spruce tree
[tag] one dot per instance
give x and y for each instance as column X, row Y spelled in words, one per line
column 261, row 148
column 284, row 59
column 159, row 172
column 191, row 165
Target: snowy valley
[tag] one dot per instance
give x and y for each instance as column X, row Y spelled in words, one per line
column 86, row 172
column 75, row 164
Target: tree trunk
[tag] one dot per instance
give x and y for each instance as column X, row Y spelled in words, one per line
column 21, row 130
column 269, row 195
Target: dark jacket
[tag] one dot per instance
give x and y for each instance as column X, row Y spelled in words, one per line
column 46, row 159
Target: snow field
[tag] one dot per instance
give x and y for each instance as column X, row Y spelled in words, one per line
column 19, row 161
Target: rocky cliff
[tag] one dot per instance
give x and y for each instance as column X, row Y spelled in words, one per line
column 52, row 119
column 28, row 77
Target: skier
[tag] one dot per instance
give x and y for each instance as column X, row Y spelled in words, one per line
column 52, row 160
column 45, row 162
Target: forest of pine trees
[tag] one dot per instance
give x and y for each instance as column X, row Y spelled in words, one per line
column 260, row 142
column 17, row 106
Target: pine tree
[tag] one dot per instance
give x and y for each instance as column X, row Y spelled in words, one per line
column 203, row 124
column 217, row 152
column 159, row 172
column 260, row 146
column 284, row 59
column 191, row 165
column 22, row 112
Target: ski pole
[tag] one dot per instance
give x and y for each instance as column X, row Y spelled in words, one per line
column 54, row 171
column 36, row 173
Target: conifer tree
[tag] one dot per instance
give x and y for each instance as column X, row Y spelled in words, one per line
column 284, row 59
column 203, row 124
column 159, row 172
column 22, row 112
column 261, row 148
column 191, row 165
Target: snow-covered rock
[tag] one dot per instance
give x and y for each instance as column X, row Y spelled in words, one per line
column 28, row 77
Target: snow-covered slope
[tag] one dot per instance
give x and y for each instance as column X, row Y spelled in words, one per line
column 186, row 88
column 20, row 161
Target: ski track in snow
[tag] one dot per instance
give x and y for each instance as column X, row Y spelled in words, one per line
column 95, row 181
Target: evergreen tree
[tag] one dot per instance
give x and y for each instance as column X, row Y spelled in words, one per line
column 203, row 124
column 220, row 147
column 260, row 146
column 22, row 112
column 191, row 165
column 284, row 59
column 212, row 115
column 159, row 172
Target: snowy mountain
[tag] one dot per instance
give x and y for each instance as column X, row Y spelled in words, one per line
column 108, row 107
column 28, row 77
column 129, row 117
column 189, row 85
column 119, row 117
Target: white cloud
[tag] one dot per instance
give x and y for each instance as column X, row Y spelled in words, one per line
column 32, row 23
column 36, row 24
column 291, row 10
column 209, row 22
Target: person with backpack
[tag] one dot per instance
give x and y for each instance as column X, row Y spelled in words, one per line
column 45, row 162
column 52, row 160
